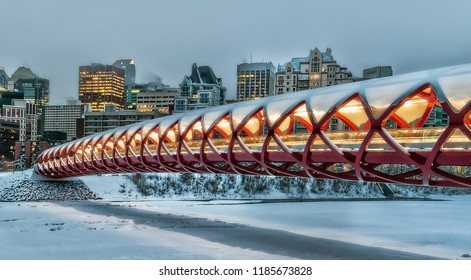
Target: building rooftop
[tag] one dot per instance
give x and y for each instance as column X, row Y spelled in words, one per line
column 124, row 61
column 295, row 62
column 23, row 72
column 203, row 74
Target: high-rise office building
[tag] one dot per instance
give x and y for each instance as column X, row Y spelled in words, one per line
column 200, row 90
column 129, row 67
column 101, row 84
column 23, row 72
column 319, row 69
column 34, row 92
column 255, row 80
column 35, row 88
column 63, row 118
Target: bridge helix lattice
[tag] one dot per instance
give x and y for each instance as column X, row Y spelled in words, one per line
column 382, row 130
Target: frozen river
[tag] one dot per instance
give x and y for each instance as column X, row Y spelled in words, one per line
column 236, row 230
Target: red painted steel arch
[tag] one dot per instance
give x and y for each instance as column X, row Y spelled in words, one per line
column 386, row 138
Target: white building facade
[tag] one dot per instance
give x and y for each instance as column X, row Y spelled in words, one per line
column 62, row 118
column 319, row 69
column 101, row 121
column 160, row 100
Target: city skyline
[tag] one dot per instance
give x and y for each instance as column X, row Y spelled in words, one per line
column 167, row 38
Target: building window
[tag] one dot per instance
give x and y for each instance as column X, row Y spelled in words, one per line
column 204, row 98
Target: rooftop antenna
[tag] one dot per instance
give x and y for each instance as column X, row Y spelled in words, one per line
column 250, row 57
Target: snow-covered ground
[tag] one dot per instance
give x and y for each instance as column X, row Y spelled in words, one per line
column 128, row 226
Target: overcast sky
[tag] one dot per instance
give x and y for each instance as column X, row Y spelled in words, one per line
column 55, row 37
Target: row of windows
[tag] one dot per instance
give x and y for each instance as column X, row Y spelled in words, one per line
column 254, row 72
column 281, row 90
column 109, row 87
column 253, row 83
column 254, row 87
column 258, row 79
column 99, row 79
column 155, row 97
column 243, row 78
column 100, row 74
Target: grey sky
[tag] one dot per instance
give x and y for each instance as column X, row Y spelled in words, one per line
column 54, row 37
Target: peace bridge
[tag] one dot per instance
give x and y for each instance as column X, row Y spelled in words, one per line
column 288, row 135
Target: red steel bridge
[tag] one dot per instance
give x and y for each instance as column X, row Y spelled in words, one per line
column 388, row 135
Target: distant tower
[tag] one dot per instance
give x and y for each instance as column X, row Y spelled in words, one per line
column 35, row 89
column 377, row 72
column 255, row 80
column 129, row 68
column 101, row 84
